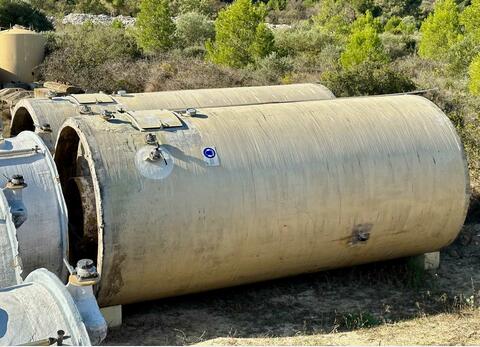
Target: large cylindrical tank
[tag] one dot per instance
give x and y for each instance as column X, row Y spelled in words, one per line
column 32, row 195
column 36, row 310
column 45, row 116
column 21, row 51
column 249, row 193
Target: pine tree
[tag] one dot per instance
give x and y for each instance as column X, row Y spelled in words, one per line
column 474, row 74
column 470, row 19
column 440, row 31
column 364, row 43
column 155, row 27
column 241, row 35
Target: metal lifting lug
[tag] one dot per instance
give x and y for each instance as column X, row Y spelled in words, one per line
column 51, row 94
column 156, row 155
column 107, row 115
column 86, row 269
column 192, row 112
column 151, row 139
column 46, row 128
column 16, row 182
column 84, row 109
column 13, row 193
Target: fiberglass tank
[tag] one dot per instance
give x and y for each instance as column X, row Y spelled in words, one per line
column 176, row 204
column 31, row 193
column 45, row 116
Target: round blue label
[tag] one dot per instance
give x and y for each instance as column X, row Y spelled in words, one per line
column 209, row 153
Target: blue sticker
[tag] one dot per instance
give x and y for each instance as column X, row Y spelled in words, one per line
column 209, row 153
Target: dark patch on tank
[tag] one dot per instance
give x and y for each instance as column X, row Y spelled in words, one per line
column 114, row 280
column 361, row 233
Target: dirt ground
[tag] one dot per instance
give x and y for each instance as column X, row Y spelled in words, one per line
column 382, row 303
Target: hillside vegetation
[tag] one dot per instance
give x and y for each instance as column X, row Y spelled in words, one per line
column 359, row 47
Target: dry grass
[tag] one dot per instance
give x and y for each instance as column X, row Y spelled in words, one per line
column 443, row 329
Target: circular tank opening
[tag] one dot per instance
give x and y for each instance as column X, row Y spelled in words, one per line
column 22, row 120
column 77, row 186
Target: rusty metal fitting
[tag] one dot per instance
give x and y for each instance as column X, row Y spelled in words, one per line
column 86, row 269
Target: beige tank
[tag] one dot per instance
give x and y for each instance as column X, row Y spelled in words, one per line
column 171, row 204
column 45, row 116
column 21, row 51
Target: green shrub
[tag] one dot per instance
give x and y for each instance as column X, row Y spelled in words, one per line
column 474, row 74
column 335, row 17
column 272, row 69
column 155, row 28
column 367, row 79
column 19, row 12
column 401, row 26
column 125, row 7
column 90, row 6
column 205, row 7
column 287, row 12
column 240, row 35
column 193, row 29
column 397, row 46
column 440, row 31
column 364, row 44
column 304, row 38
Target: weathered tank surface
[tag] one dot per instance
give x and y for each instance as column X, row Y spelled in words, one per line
column 31, row 194
column 233, row 195
column 21, row 52
column 45, row 116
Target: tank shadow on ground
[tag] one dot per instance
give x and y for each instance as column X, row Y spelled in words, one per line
column 339, row 300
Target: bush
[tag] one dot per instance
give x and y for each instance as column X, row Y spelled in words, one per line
column 82, row 54
column 397, row 46
column 125, row 7
column 173, row 72
column 240, row 35
column 193, row 29
column 21, row 13
column 90, row 6
column 367, row 79
column 335, row 17
column 154, row 27
column 304, row 38
column 205, row 7
column 272, row 69
column 474, row 74
column 401, row 26
column 287, row 12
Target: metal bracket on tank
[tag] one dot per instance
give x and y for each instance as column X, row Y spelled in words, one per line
column 18, row 152
column 154, row 160
column 13, row 193
column 84, row 274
